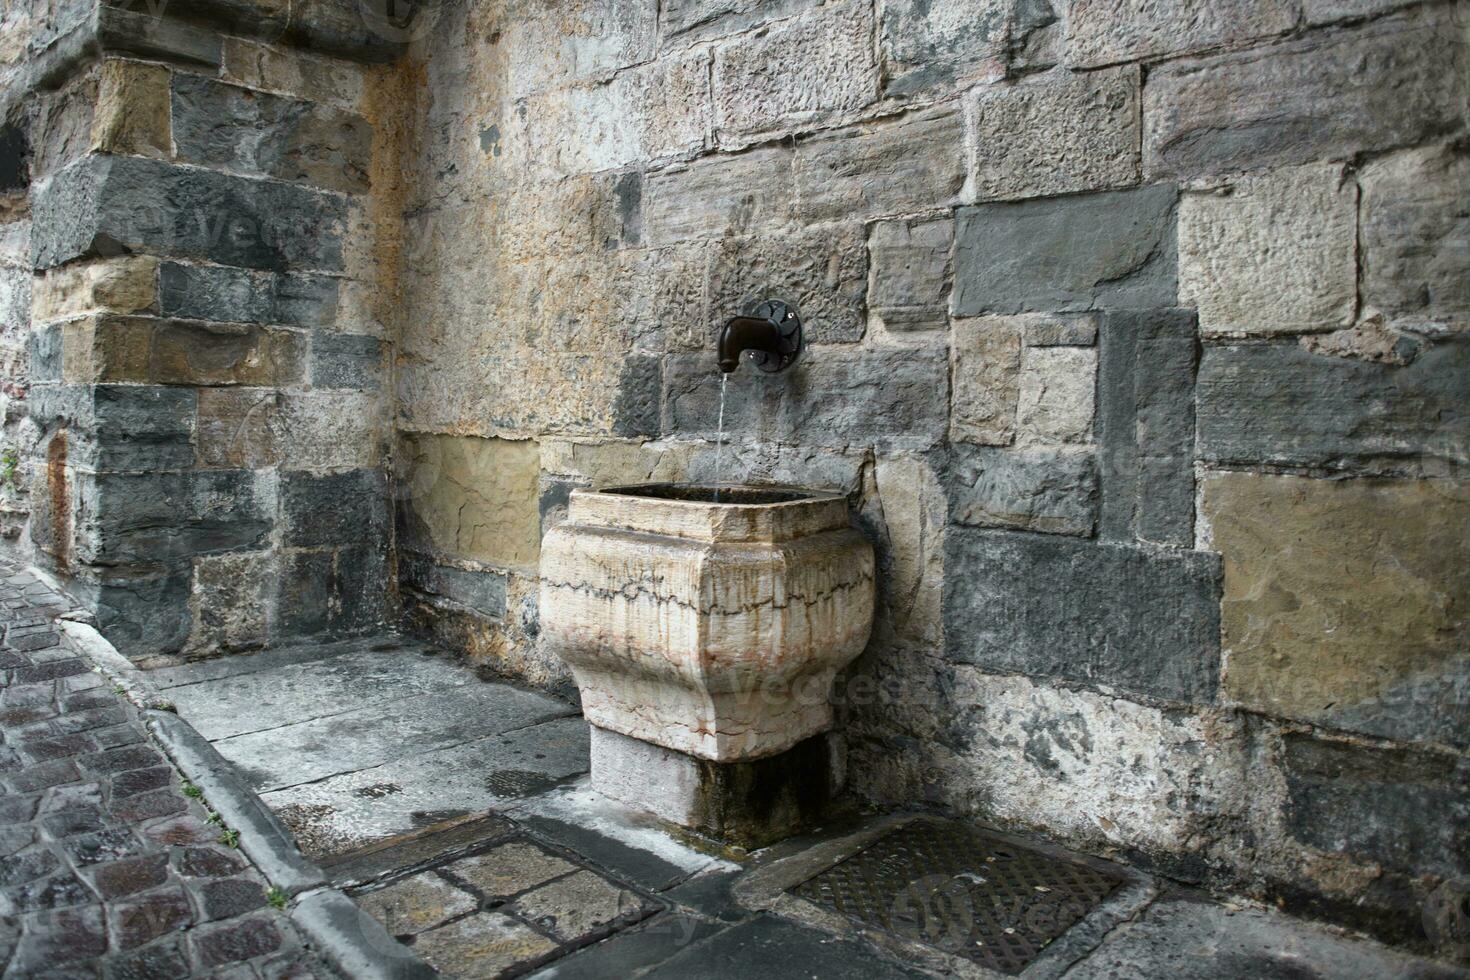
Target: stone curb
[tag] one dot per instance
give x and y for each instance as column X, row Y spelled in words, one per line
column 262, row 836
column 353, row 941
column 84, row 638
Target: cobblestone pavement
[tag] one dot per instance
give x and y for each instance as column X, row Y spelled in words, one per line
column 107, row 867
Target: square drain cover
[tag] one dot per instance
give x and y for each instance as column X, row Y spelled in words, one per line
column 962, row 891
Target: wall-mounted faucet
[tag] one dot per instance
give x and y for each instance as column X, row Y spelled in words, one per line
column 771, row 332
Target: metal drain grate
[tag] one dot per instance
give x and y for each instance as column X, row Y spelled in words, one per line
column 962, row 891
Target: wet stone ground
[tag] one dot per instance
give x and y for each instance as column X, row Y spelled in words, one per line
column 457, row 813
column 106, row 866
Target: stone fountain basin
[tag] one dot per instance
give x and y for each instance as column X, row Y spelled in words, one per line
column 713, row 628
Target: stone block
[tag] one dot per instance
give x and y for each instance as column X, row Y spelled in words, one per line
column 896, row 400
column 1371, row 803
column 226, row 295
column 832, row 470
column 345, row 360
column 479, row 591
column 235, row 428
column 15, row 301
column 910, row 548
column 360, row 602
column 688, row 21
column 1053, row 491
column 822, row 273
column 123, row 284
column 307, row 591
column 635, row 410
column 468, row 497
column 234, row 601
column 719, row 196
column 250, row 132
column 1281, row 404
column 109, row 205
column 1060, row 331
column 1342, row 604
column 1101, row 32
column 136, row 427
column 143, row 611
column 490, row 943
column 1095, row 766
column 949, row 43
column 411, row 905
column 45, row 354
column 132, row 114
column 334, row 508
column 510, row 869
column 292, row 72
column 152, row 517
column 1146, row 413
column 1416, row 259
column 909, row 282
column 1388, row 83
column 1057, row 134
column 894, row 166
column 1132, row 619
column 328, row 430
column 582, row 130
column 674, row 104
column 985, row 369
column 1275, row 254
column 796, row 73
column 156, row 38
column 1057, row 393
column 1116, row 249
column 162, row 351
column 546, row 45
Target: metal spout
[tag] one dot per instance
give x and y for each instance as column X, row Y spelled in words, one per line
column 772, row 330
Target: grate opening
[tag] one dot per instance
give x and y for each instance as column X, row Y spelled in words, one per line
column 962, row 891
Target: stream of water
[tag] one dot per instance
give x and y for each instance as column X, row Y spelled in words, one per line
column 720, row 439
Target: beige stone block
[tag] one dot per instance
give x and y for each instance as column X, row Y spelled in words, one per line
column 914, row 517
column 985, row 369
column 152, row 351
column 1056, row 134
column 292, row 72
column 412, row 905
column 1269, row 255
column 485, row 945
column 795, row 73
column 714, row 629
column 124, row 284
column 133, row 113
column 1103, row 31
column 1347, row 602
column 608, row 462
column 234, row 601
column 510, row 868
column 1057, row 395
column 235, row 428
column 470, row 497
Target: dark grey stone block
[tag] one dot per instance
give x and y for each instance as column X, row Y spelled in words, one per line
column 305, row 596
column 161, row 516
column 1142, row 621
column 346, row 360
column 770, row 947
column 139, row 32
column 1048, row 490
column 245, row 131
column 141, row 610
column 45, row 349
column 138, row 427
column 640, row 391
column 632, row 950
column 1116, row 249
column 1332, row 94
column 15, row 171
column 1145, row 428
column 332, row 509
column 1405, row 809
column 361, row 582
column 226, row 295
column 1280, row 404
column 479, row 591
column 110, row 205
column 893, row 399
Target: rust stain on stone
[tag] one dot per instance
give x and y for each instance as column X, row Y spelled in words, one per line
column 59, row 493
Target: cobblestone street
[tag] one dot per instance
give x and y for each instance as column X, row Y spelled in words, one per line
column 109, row 867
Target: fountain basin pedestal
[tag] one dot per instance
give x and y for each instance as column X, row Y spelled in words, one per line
column 704, row 636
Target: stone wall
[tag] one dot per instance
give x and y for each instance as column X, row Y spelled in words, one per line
column 1138, row 337
column 204, row 399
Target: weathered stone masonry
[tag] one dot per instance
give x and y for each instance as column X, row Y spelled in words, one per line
column 1139, row 340
column 205, row 384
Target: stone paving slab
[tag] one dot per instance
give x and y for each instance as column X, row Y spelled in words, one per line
column 219, row 668
column 354, row 679
column 348, row 811
column 371, row 736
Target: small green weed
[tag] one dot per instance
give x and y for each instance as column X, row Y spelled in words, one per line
column 191, row 791
column 230, row 837
column 277, row 898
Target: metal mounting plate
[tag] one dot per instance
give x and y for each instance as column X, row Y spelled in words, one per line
column 784, row 316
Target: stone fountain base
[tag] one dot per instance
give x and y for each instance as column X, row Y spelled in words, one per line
column 750, row 803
